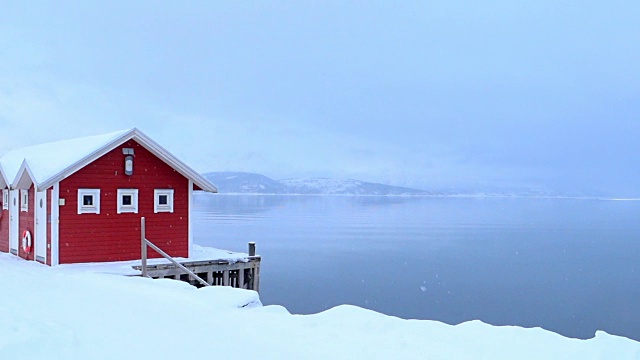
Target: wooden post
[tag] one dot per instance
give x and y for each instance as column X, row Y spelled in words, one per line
column 256, row 282
column 256, row 279
column 143, row 251
column 225, row 278
column 241, row 278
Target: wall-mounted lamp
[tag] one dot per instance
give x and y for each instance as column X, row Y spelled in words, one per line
column 128, row 161
column 128, row 165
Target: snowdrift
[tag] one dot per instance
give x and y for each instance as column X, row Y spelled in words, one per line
column 58, row 313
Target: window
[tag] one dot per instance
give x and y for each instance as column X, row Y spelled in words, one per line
column 24, row 202
column 163, row 200
column 5, row 199
column 127, row 201
column 88, row 201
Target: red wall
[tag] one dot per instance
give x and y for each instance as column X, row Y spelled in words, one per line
column 4, row 228
column 110, row 236
column 26, row 222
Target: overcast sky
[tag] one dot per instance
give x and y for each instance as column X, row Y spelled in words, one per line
column 536, row 94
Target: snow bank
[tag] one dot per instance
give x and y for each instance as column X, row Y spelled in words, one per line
column 67, row 313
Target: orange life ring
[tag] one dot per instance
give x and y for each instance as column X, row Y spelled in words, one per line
column 26, row 241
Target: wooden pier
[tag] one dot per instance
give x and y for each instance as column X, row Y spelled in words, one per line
column 241, row 274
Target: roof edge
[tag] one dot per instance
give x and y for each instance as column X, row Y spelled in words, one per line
column 71, row 169
column 3, row 178
column 145, row 141
column 182, row 167
column 18, row 182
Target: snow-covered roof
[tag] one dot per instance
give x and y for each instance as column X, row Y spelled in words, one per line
column 46, row 164
column 4, row 182
column 46, row 160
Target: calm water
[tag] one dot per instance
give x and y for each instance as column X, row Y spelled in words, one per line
column 570, row 266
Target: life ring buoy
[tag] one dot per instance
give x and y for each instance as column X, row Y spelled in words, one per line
column 26, row 241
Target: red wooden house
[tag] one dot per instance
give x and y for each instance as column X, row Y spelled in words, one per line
column 81, row 200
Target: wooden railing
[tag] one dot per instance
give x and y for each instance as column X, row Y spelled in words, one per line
column 146, row 243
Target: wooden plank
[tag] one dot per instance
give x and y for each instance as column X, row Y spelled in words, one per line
column 196, row 263
column 203, row 268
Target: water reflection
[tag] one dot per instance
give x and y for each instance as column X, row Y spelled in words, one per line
column 565, row 265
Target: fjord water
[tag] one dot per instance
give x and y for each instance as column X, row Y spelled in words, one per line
column 567, row 265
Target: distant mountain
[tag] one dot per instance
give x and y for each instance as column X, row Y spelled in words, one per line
column 251, row 183
column 242, row 182
column 347, row 186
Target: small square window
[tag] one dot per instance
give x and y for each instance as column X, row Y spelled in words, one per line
column 88, row 201
column 163, row 200
column 127, row 201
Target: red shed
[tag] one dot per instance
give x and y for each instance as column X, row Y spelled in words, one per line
column 81, row 200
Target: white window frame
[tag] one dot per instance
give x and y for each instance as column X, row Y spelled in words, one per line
column 24, row 200
column 89, row 209
column 5, row 199
column 157, row 207
column 133, row 208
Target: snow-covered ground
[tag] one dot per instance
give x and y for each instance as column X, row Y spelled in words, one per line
column 59, row 313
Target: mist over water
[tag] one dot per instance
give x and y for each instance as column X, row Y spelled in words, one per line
column 566, row 265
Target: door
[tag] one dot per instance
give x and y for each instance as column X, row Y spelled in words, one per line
column 13, row 221
column 41, row 226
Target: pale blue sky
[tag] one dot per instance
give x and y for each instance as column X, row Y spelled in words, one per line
column 537, row 94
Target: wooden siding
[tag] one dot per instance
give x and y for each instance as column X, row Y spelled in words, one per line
column 4, row 229
column 26, row 222
column 110, row 236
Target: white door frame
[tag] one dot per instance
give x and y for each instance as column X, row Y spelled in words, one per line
column 55, row 221
column 14, row 217
column 41, row 226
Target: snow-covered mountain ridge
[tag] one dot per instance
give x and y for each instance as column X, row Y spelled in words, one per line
column 252, row 183
column 242, row 182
